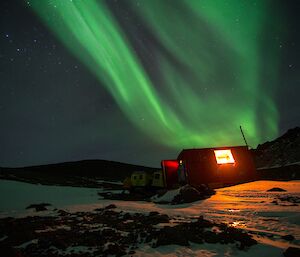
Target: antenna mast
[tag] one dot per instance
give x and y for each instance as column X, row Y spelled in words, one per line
column 244, row 136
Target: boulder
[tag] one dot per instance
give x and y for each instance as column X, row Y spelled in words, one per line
column 276, row 189
column 291, row 199
column 288, row 237
column 9, row 251
column 211, row 237
column 292, row 252
column 62, row 213
column 115, row 249
column 171, row 235
column 111, row 206
column 188, row 194
column 156, row 218
column 39, row 207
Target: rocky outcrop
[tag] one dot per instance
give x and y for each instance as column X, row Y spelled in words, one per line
column 292, row 252
column 279, row 159
column 39, row 207
column 276, row 189
column 106, row 231
column 189, row 194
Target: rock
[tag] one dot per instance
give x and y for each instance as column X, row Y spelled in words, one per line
column 127, row 216
column 187, row 194
column 204, row 189
column 156, row 219
column 111, row 206
column 39, row 207
column 276, row 189
column 8, row 251
column 44, row 243
column 130, row 239
column 203, row 223
column 292, row 252
column 98, row 209
column 111, row 232
column 190, row 194
column 152, row 213
column 171, row 235
column 245, row 239
column 115, row 249
column 226, row 238
column 60, row 243
column 137, row 194
column 211, row 237
column 291, row 199
column 62, row 213
column 110, row 212
column 288, row 237
column 196, row 238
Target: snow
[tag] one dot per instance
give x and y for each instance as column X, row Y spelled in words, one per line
column 208, row 250
column 109, row 182
column 24, row 245
column 79, row 249
column 167, row 197
column 15, row 196
column 50, row 229
column 3, row 238
column 247, row 206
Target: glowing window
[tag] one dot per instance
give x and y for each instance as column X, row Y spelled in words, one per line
column 224, row 156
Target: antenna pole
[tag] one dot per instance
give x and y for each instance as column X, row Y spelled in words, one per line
column 243, row 136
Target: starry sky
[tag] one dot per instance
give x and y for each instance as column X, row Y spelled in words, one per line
column 138, row 80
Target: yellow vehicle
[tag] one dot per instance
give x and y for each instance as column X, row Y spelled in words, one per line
column 127, row 184
column 141, row 179
column 158, row 180
column 144, row 179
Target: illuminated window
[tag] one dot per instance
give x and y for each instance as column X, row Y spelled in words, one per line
column 224, row 156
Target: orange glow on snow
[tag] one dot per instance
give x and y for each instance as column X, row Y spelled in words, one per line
column 224, row 156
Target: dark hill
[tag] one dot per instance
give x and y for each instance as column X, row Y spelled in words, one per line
column 282, row 151
column 280, row 158
column 80, row 173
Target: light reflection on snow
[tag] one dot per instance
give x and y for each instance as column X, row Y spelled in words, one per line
column 234, row 210
column 247, row 206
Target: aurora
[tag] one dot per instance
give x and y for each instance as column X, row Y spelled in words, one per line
column 206, row 76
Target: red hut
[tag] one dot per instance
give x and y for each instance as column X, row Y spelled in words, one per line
column 216, row 167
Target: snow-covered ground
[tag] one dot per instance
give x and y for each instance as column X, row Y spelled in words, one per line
column 248, row 206
column 16, row 196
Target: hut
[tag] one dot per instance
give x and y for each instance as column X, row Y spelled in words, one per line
column 215, row 167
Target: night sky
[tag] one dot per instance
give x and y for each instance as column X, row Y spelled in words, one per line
column 136, row 81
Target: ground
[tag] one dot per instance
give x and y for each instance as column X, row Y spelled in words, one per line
column 272, row 218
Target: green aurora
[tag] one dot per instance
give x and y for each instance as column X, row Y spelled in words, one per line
column 210, row 76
